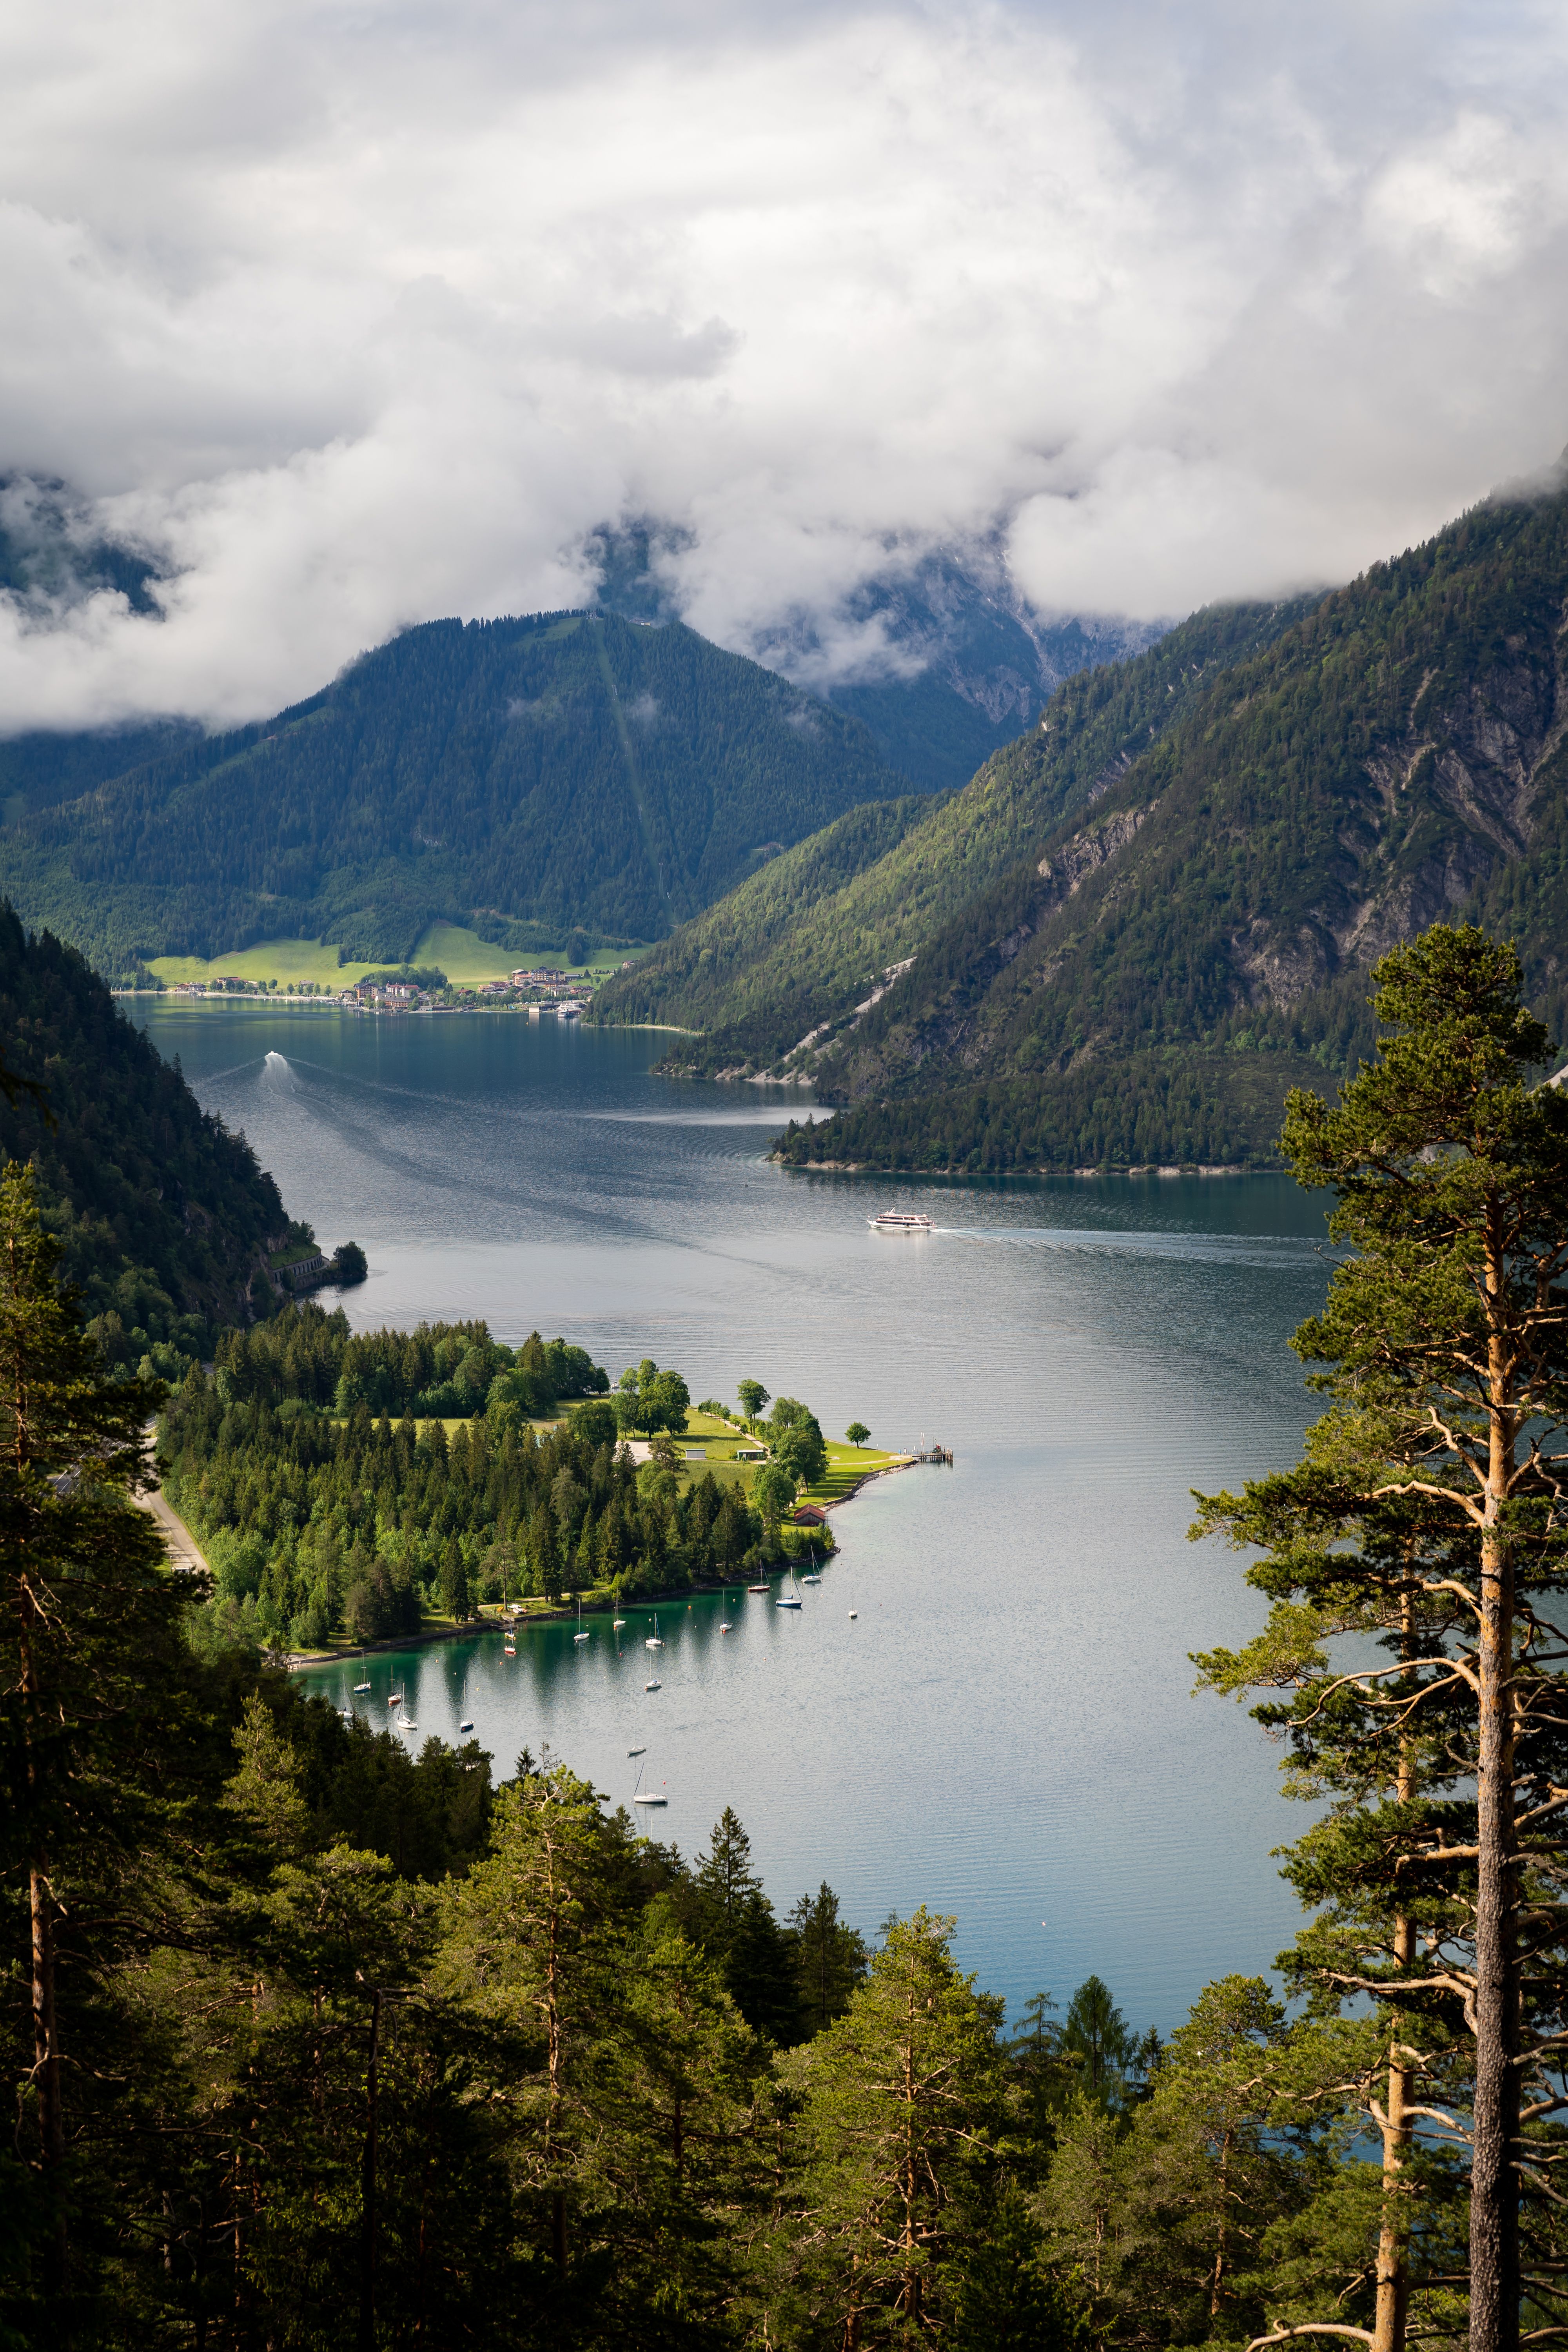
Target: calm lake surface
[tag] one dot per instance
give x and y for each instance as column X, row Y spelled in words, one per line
column 1005, row 1731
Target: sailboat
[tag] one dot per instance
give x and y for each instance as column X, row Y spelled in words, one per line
column 811, row 1576
column 581, row 1634
column 724, row 1622
column 653, row 1642
column 466, row 1725
column 395, row 1698
column 655, row 1684
column 790, row 1600
column 360, row 1689
column 510, row 1647
column 618, row 1621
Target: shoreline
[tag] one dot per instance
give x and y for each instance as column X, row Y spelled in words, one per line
column 990, row 1175
column 297, row 1661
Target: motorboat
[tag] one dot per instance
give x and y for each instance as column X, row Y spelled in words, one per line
column 901, row 1220
column 655, row 1684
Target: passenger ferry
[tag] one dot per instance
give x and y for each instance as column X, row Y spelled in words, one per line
column 900, row 1220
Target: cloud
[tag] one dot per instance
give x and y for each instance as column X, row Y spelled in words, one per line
column 351, row 317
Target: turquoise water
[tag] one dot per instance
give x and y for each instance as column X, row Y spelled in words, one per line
column 1005, row 1729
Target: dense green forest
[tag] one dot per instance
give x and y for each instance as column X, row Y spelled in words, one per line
column 797, row 947
column 326, row 1503
column 566, row 769
column 165, row 1217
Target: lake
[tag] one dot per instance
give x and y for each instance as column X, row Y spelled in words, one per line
column 1004, row 1730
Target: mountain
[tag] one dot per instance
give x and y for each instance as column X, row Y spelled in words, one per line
column 164, row 1215
column 775, row 973
column 988, row 666
column 953, row 660
column 568, row 769
column 1143, row 986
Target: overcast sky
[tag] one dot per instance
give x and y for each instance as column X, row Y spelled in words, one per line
column 359, row 314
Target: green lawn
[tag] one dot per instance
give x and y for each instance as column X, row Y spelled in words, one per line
column 461, row 954
column 847, row 1465
column 279, row 960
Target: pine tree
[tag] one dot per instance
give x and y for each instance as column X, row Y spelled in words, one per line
column 738, row 1928
column 902, row 2102
column 535, row 1939
column 1446, row 1340
column 830, row 1960
column 88, row 1614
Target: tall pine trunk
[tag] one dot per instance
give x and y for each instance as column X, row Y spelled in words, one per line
column 368, row 2184
column 1494, row 2181
column 1392, row 2262
column 1393, row 2259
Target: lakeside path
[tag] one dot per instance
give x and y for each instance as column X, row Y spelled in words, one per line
column 182, row 1547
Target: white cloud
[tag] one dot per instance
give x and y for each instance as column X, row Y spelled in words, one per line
column 357, row 316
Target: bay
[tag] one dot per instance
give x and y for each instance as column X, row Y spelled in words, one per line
column 1004, row 1730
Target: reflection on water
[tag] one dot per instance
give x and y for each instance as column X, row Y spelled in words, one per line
column 1006, row 1729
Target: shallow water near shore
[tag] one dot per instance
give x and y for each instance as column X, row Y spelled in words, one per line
column 1006, row 1729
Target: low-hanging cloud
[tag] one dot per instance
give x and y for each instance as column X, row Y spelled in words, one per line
column 348, row 319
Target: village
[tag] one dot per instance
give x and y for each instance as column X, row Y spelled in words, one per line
column 565, row 994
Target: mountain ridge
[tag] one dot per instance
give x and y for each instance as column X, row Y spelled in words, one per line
column 572, row 770
column 795, row 948
column 1398, row 755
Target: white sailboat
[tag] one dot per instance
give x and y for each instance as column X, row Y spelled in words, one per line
column 361, row 1689
column 581, row 1634
column 653, row 1642
column 790, row 1600
column 640, row 1797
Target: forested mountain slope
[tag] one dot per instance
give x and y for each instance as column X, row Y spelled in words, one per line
column 1146, row 985
column 163, row 1212
column 567, row 769
column 799, row 945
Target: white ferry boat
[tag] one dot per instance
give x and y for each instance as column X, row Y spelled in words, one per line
column 900, row 1220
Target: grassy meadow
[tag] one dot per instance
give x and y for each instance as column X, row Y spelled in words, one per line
column 461, row 954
